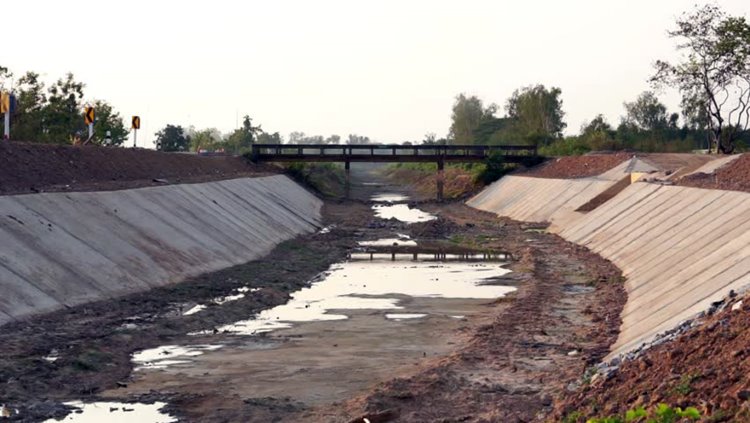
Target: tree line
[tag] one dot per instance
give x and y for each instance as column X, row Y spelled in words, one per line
column 54, row 113
column 239, row 141
column 713, row 79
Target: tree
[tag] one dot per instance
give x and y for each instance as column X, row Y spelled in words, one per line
column 537, row 114
column 107, row 120
column 63, row 114
column 274, row 138
column 355, row 139
column 206, row 139
column 647, row 113
column 333, row 139
column 172, row 138
column 468, row 114
column 244, row 137
column 28, row 121
column 714, row 73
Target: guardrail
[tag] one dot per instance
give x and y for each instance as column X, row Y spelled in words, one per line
column 387, row 152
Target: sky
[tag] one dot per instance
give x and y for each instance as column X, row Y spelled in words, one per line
column 385, row 69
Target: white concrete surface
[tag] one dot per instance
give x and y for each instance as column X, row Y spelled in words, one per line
column 537, row 199
column 680, row 248
column 64, row 249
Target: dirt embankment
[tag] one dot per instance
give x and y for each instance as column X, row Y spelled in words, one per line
column 458, row 183
column 708, row 367
column 33, row 167
column 735, row 176
column 576, row 166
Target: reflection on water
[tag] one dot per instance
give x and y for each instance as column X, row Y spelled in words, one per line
column 169, row 355
column 116, row 412
column 374, row 285
column 389, row 198
column 402, row 212
column 221, row 300
column 402, row 241
column 403, row 316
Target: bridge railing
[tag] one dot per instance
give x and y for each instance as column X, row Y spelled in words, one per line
column 270, row 152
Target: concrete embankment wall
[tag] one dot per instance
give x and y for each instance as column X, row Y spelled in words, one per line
column 680, row 248
column 65, row 249
column 537, row 199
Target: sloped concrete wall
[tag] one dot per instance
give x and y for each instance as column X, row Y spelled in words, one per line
column 65, row 249
column 537, row 199
column 680, row 248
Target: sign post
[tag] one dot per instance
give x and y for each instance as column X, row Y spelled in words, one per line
column 89, row 117
column 5, row 109
column 135, row 125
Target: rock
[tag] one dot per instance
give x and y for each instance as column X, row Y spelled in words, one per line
column 737, row 306
column 573, row 353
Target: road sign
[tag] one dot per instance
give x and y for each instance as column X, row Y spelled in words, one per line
column 89, row 115
column 136, row 122
column 4, row 102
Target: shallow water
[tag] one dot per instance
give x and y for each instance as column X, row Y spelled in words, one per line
column 169, row 355
column 389, row 198
column 389, row 242
column 402, row 212
column 116, row 412
column 376, row 285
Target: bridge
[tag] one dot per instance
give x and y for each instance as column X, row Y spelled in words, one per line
column 391, row 153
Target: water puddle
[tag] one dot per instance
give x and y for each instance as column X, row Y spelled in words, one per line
column 116, row 412
column 241, row 292
column 389, row 198
column 404, row 316
column 376, row 285
column 169, row 355
column 402, row 212
column 401, row 241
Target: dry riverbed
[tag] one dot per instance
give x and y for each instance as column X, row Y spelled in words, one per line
column 445, row 359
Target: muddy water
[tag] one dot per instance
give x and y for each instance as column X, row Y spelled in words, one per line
column 116, row 412
column 392, row 207
column 357, row 324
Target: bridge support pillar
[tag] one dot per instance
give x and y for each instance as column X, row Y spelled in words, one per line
column 440, row 179
column 347, row 171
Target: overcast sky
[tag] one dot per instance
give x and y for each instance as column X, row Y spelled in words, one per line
column 386, row 69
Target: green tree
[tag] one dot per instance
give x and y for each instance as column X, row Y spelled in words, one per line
column 266, row 138
column 205, row 139
column 714, row 74
column 28, row 121
column 355, row 139
column 107, row 120
column 63, row 114
column 172, row 138
column 468, row 114
column 647, row 113
column 537, row 114
column 243, row 138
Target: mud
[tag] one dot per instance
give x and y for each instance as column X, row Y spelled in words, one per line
column 476, row 360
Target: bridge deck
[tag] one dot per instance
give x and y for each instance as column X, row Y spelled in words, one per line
column 387, row 153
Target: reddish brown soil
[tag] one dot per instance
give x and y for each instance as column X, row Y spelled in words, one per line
column 708, row 368
column 458, row 183
column 735, row 176
column 32, row 167
column 576, row 166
